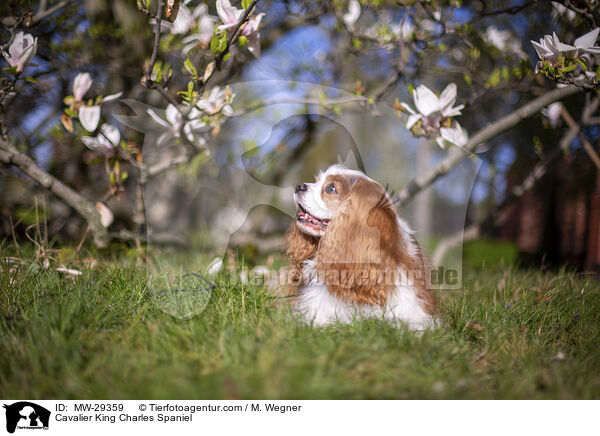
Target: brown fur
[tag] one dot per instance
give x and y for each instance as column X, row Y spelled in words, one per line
column 298, row 247
column 361, row 249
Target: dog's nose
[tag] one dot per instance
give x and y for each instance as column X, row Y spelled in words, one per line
column 301, row 187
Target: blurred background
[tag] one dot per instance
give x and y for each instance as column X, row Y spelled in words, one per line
column 325, row 88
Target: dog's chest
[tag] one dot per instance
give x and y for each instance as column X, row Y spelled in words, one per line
column 317, row 305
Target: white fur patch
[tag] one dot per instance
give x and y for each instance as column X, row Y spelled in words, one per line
column 316, row 304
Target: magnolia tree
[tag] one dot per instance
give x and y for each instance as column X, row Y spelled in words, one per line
column 462, row 75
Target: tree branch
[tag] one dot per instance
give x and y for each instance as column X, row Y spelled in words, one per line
column 10, row 155
column 590, row 150
column 42, row 14
column 158, row 18
column 586, row 144
column 457, row 154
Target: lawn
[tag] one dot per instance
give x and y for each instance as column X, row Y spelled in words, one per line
column 509, row 334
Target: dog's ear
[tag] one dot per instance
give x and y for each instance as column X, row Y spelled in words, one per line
column 360, row 247
column 298, row 245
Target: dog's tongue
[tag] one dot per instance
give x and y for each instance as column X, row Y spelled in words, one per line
column 311, row 219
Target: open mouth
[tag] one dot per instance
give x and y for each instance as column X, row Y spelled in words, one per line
column 307, row 219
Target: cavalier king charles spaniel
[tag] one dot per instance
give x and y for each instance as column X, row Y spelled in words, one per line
column 352, row 256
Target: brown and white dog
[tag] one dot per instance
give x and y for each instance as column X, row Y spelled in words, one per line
column 353, row 256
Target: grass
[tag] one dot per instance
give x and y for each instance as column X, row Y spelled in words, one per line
column 508, row 334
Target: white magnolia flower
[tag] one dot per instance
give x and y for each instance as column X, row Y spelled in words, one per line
column 70, row 271
column 454, row 135
column 386, row 31
column 230, row 16
column 106, row 215
column 214, row 267
column 184, row 21
column 550, row 48
column 81, row 85
column 214, row 102
column 553, row 113
column 504, row 41
column 351, row 17
column 431, row 26
column 105, row 141
column 253, row 35
column 110, row 98
column 204, row 33
column 431, row 109
column 174, row 122
column 89, row 116
column 21, row 50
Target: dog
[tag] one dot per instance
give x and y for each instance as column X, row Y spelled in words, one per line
column 351, row 256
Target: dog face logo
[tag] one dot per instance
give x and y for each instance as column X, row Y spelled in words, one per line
column 26, row 415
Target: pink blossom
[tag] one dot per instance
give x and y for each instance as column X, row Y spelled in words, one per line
column 21, row 50
column 81, row 85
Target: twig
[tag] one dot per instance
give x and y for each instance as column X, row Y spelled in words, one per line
column 10, row 155
column 42, row 14
column 315, row 101
column 590, row 150
column 150, row 67
column 510, row 10
column 586, row 144
column 166, row 95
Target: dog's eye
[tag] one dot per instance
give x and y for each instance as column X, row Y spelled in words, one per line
column 330, row 189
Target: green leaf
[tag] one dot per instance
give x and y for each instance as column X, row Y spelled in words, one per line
column 246, row 3
column 188, row 94
column 156, row 75
column 580, row 62
column 190, row 68
column 226, row 57
column 494, row 78
column 242, row 40
column 11, row 70
column 31, row 80
column 167, row 72
column 218, row 41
